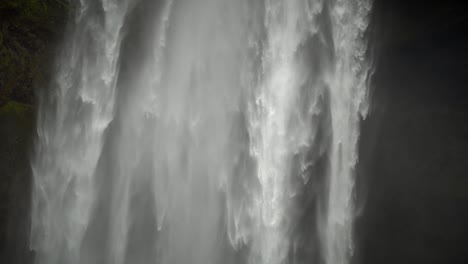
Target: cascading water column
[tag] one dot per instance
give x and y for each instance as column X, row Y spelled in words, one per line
column 72, row 121
column 274, row 140
column 282, row 131
column 199, row 148
column 348, row 84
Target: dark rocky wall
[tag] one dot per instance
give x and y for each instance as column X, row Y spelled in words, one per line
column 29, row 33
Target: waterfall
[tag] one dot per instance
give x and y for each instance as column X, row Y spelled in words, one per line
column 202, row 131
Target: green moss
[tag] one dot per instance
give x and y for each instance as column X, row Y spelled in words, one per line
column 13, row 108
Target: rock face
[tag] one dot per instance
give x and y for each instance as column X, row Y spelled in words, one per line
column 16, row 127
column 29, row 33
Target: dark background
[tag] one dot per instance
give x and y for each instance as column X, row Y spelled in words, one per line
column 413, row 176
column 413, row 170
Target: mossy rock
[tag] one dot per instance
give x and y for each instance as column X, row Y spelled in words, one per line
column 19, row 109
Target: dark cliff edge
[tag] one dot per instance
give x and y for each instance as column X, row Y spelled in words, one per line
column 30, row 32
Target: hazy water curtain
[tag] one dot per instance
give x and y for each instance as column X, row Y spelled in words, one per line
column 202, row 131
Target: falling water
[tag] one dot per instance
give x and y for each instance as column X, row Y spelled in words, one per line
column 207, row 131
